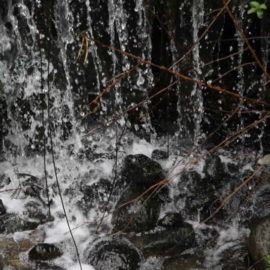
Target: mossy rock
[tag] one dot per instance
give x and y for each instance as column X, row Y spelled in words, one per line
column 259, row 243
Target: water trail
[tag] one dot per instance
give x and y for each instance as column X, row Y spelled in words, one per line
column 196, row 94
column 64, row 22
column 94, row 51
column 118, row 29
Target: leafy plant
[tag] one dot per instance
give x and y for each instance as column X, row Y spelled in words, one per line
column 256, row 7
column 267, row 262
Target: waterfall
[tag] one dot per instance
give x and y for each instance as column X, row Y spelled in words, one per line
column 130, row 89
column 196, row 94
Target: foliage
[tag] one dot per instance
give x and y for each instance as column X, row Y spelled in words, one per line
column 256, row 7
column 267, row 262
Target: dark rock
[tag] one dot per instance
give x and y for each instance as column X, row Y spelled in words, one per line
column 198, row 194
column 44, row 251
column 230, row 257
column 94, row 195
column 137, row 209
column 261, row 202
column 159, row 154
column 134, row 212
column 46, row 266
column 171, row 220
column 11, row 250
column 2, row 226
column 214, row 168
column 34, row 187
column 3, row 10
column 1, row 262
column 114, row 254
column 11, row 223
column 165, row 242
column 35, row 210
column 183, row 262
column 4, row 180
column 140, row 169
column 202, row 191
column 2, row 208
column 259, row 243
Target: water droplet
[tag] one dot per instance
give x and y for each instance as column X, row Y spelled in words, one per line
column 140, row 80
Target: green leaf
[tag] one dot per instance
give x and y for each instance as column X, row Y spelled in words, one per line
column 252, row 10
column 267, row 261
column 263, row 6
column 254, row 4
column 259, row 14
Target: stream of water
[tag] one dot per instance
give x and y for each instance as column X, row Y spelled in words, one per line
column 56, row 80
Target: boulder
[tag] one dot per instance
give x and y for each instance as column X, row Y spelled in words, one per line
column 2, row 208
column 114, row 254
column 11, row 250
column 142, row 170
column 261, row 202
column 94, row 195
column 183, row 262
column 44, row 252
column 158, row 154
column 136, row 213
column 4, row 180
column 259, row 243
column 201, row 191
column 165, row 242
column 171, row 220
column 35, row 211
column 139, row 206
column 11, row 223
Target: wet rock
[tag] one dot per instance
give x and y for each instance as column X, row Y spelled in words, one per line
column 11, row 223
column 134, row 212
column 1, row 262
column 44, row 251
column 35, row 188
column 261, row 202
column 171, row 220
column 35, row 211
column 4, row 180
column 2, row 208
column 201, row 190
column 31, row 184
column 159, row 154
column 114, row 254
column 259, row 243
column 214, row 168
column 232, row 256
column 10, row 253
column 137, row 209
column 140, row 169
column 165, row 242
column 47, row 266
column 94, row 195
column 184, row 262
column 198, row 194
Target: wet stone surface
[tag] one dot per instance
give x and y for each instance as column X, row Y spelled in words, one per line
column 44, row 252
column 114, row 254
column 259, row 243
column 11, row 223
column 135, row 210
column 2, row 208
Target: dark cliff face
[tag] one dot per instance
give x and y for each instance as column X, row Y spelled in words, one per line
column 62, row 33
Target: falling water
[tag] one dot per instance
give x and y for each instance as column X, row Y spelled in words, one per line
column 196, row 94
column 47, row 64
